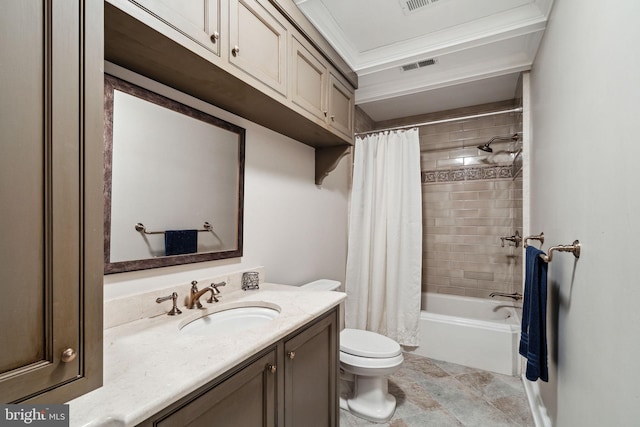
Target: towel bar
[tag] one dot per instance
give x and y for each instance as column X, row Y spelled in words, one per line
column 574, row 248
column 539, row 237
column 141, row 228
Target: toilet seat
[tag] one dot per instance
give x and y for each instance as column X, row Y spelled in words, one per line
column 368, row 365
column 367, row 344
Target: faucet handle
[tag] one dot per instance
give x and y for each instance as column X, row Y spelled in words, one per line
column 213, row 297
column 215, row 291
column 174, row 297
column 216, row 285
column 516, row 239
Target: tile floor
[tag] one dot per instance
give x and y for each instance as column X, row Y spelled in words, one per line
column 433, row 393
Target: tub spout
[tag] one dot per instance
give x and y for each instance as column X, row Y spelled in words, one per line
column 516, row 296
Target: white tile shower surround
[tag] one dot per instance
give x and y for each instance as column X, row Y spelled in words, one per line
column 439, row 394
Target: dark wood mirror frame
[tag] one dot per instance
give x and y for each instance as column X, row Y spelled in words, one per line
column 112, row 84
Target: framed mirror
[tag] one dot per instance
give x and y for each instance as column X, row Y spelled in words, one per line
column 174, row 182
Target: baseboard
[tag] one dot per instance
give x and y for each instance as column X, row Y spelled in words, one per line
column 538, row 410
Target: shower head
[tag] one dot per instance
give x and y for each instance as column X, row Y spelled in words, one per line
column 485, row 147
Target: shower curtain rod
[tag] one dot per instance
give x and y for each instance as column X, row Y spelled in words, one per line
column 435, row 122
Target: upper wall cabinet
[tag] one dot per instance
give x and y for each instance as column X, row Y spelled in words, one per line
column 197, row 19
column 265, row 62
column 258, row 43
column 308, row 80
column 51, row 200
column 341, row 106
column 320, row 91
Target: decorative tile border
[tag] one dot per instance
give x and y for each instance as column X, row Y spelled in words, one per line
column 466, row 174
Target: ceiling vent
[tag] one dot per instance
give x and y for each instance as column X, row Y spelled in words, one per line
column 411, row 6
column 419, row 64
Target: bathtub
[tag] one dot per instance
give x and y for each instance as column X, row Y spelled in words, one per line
column 474, row 332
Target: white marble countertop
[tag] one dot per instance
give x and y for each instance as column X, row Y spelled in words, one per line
column 149, row 363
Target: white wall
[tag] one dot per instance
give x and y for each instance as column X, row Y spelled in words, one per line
column 296, row 230
column 585, row 185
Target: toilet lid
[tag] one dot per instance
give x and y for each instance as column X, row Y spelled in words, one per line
column 367, row 344
column 322, row 285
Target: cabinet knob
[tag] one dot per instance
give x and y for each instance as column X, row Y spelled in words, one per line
column 333, row 118
column 235, row 51
column 325, row 113
column 68, row 355
column 291, row 355
column 271, row 368
column 215, row 36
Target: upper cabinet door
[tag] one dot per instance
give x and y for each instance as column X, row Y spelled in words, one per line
column 48, row 109
column 308, row 80
column 341, row 106
column 197, row 19
column 258, row 43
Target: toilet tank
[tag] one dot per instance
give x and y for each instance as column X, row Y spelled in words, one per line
column 322, row 285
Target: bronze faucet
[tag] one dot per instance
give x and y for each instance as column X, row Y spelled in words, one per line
column 194, row 296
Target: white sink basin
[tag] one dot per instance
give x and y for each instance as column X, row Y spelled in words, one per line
column 231, row 320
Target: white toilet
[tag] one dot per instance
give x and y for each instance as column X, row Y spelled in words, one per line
column 369, row 357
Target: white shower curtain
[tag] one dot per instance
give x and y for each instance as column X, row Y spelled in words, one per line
column 384, row 259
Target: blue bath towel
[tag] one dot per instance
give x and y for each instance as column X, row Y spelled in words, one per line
column 533, row 338
column 180, row 242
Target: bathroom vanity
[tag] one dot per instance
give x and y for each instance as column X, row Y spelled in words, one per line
column 294, row 380
column 280, row 372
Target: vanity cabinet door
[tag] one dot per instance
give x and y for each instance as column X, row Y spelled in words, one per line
column 247, row 398
column 341, row 106
column 311, row 374
column 197, row 19
column 50, row 199
column 258, row 43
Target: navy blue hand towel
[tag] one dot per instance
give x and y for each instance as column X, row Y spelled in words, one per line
column 180, row 242
column 533, row 338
